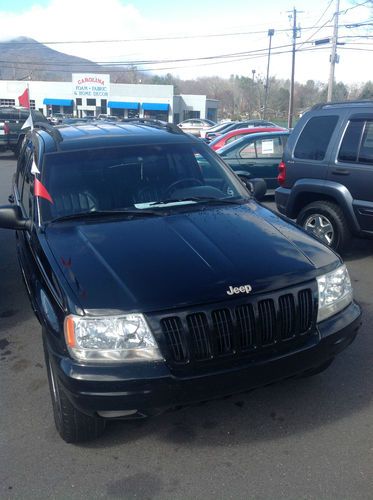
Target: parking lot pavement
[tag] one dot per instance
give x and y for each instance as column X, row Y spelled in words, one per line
column 307, row 438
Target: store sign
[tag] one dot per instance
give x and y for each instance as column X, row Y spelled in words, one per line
column 91, row 85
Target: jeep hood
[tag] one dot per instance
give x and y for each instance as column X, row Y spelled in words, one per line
column 182, row 259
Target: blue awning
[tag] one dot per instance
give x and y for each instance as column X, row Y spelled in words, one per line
column 123, row 105
column 58, row 102
column 155, row 106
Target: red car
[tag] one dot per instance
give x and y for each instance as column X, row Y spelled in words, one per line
column 231, row 136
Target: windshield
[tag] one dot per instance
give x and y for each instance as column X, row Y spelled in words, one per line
column 169, row 176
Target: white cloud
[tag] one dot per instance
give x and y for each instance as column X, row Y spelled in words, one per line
column 87, row 20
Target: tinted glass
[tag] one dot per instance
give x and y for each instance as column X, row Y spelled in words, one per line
column 133, row 177
column 366, row 150
column 315, row 137
column 350, row 143
column 248, row 151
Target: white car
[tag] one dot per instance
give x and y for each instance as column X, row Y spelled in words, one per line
column 195, row 125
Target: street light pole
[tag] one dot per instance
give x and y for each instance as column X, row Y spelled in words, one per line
column 271, row 32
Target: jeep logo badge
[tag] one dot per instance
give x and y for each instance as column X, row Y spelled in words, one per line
column 234, row 290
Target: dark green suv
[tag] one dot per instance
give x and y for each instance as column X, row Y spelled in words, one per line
column 326, row 175
column 11, row 122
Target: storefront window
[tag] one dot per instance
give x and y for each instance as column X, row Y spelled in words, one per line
column 156, row 115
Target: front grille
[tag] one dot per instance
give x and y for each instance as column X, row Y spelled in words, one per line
column 236, row 330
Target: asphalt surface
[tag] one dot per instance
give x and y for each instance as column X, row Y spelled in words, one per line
column 300, row 439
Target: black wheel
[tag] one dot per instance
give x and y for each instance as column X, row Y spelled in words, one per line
column 72, row 425
column 259, row 188
column 317, row 370
column 327, row 222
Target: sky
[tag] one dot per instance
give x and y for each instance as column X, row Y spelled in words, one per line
column 197, row 38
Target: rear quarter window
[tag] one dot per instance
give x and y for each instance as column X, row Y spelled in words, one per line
column 315, row 137
column 357, row 143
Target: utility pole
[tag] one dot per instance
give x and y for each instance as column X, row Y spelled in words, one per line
column 271, row 32
column 291, row 97
column 333, row 56
column 253, row 71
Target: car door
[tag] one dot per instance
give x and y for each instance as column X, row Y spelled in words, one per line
column 353, row 166
column 261, row 157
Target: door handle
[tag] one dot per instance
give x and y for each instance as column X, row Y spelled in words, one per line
column 341, row 171
column 11, row 198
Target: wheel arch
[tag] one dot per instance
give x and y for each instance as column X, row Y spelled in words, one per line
column 306, row 191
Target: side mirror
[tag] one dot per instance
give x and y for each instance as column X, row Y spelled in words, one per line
column 256, row 186
column 11, row 218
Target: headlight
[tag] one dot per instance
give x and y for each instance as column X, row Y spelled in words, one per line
column 335, row 292
column 110, row 338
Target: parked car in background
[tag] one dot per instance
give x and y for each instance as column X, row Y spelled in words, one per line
column 233, row 135
column 326, row 175
column 259, row 154
column 11, row 122
column 56, row 118
column 108, row 118
column 195, row 125
column 212, row 134
column 215, row 128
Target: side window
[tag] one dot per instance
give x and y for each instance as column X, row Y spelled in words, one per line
column 233, row 138
column 366, row 150
column 26, row 197
column 351, row 141
column 248, row 151
column 24, row 155
column 315, row 137
column 269, row 148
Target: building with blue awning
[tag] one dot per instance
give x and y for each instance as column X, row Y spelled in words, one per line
column 92, row 94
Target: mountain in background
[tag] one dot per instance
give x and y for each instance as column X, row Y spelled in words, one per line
column 26, row 59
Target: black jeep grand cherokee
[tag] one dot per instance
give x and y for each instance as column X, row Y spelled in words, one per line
column 158, row 280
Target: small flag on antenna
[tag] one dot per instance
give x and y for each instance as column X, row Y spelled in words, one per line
column 34, row 167
column 24, row 99
column 28, row 122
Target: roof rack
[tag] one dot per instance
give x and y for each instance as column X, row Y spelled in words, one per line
column 55, row 133
column 154, row 123
column 337, row 103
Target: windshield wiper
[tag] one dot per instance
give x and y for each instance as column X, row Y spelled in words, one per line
column 106, row 213
column 198, row 199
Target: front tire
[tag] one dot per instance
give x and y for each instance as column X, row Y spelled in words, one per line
column 327, row 222
column 72, row 425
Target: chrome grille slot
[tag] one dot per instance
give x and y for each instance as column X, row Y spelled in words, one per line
column 245, row 326
column 287, row 316
column 305, row 304
column 223, row 328
column 198, row 327
column 267, row 321
column 173, row 331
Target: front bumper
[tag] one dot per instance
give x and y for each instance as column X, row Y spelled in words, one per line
column 150, row 388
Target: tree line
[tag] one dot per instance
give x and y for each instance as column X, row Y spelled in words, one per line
column 242, row 97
